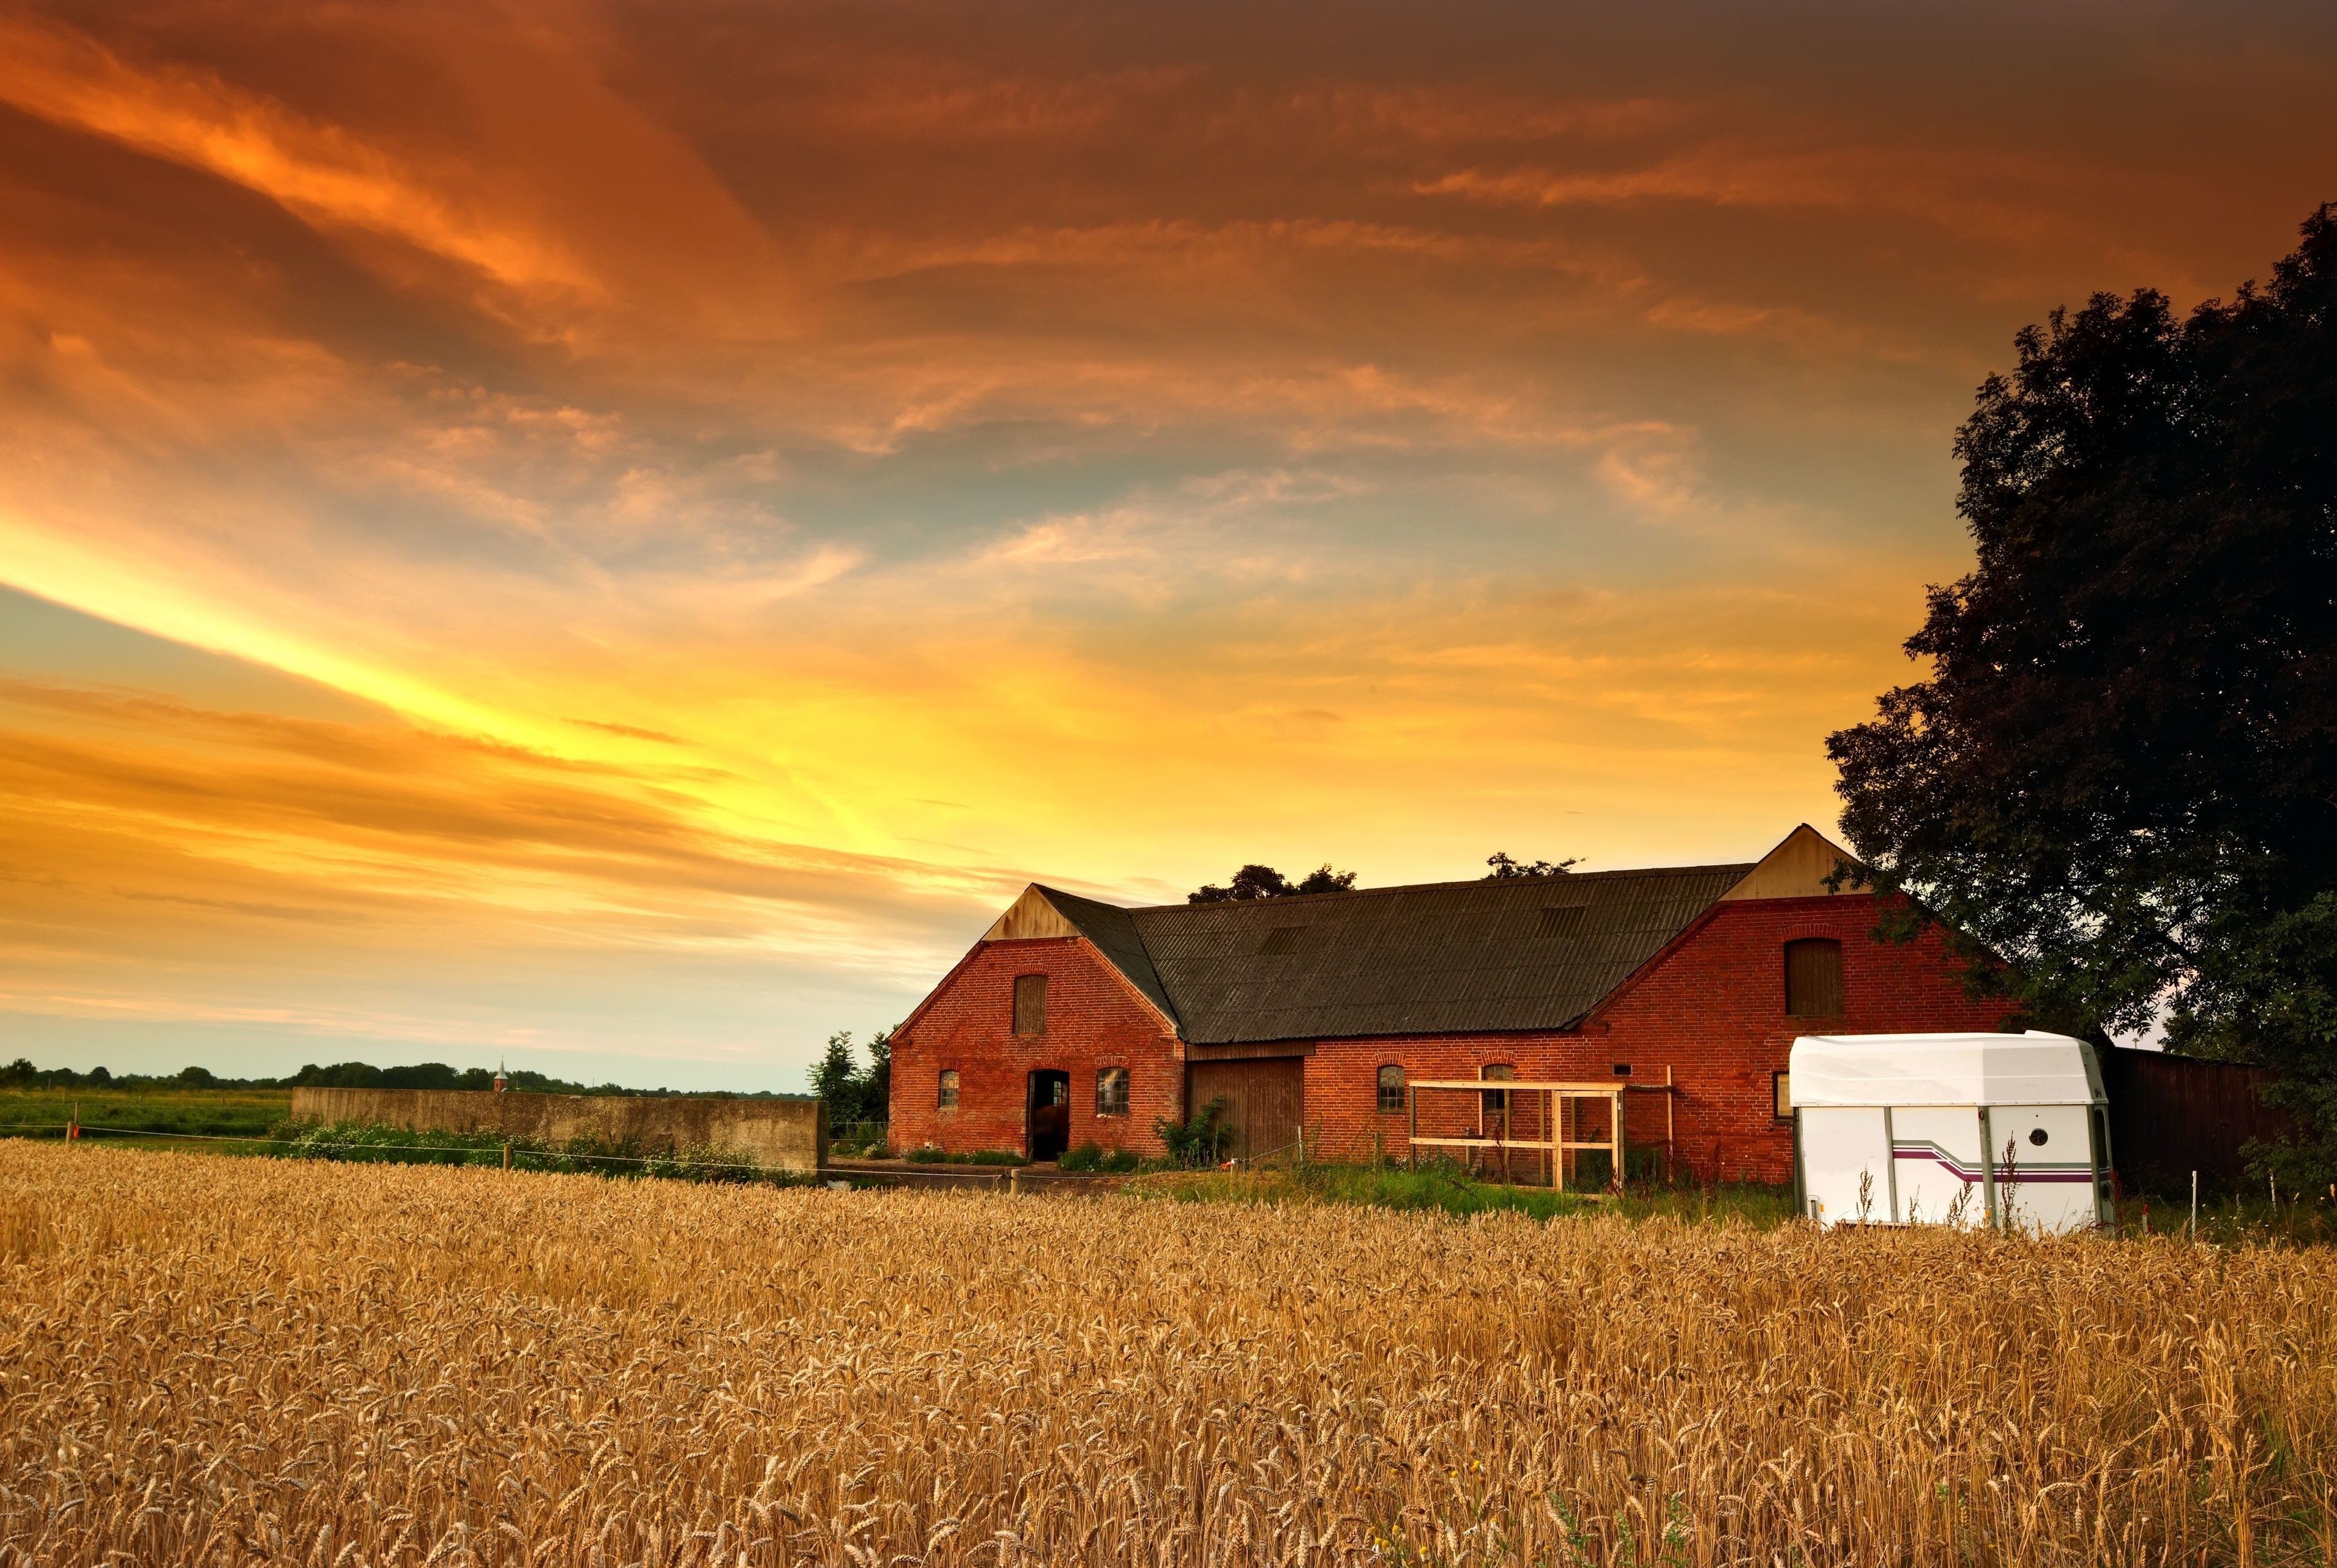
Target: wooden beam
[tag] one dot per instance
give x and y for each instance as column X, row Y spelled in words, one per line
column 1603, row 1144
column 1594, row 1086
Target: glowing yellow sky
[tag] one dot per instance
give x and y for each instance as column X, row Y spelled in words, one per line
column 616, row 537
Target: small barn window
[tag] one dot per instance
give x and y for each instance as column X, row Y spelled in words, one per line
column 1030, row 1004
column 1781, row 1089
column 1111, row 1091
column 946, row 1094
column 1281, row 940
column 1497, row 1101
column 1622, row 1069
column 1814, row 979
column 1391, row 1091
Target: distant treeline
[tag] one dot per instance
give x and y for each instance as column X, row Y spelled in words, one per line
column 22, row 1073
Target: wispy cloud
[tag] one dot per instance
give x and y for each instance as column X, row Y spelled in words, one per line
column 320, row 171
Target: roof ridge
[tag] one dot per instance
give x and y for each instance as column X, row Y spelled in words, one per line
column 1091, row 918
column 1561, row 879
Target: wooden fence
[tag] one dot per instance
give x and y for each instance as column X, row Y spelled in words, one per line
column 2171, row 1115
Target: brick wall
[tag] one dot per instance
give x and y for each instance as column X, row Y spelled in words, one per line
column 1094, row 1020
column 1713, row 1009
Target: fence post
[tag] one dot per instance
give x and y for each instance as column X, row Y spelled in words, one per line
column 2194, row 1205
column 506, row 1156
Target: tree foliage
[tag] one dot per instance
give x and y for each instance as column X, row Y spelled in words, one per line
column 855, row 1094
column 2120, row 775
column 1256, row 881
column 21, row 1073
column 1505, row 869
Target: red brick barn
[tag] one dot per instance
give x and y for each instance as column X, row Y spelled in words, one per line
column 1073, row 1021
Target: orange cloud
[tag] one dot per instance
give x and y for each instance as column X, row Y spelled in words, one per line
column 320, row 171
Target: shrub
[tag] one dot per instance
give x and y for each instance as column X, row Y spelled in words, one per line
column 1095, row 1157
column 1199, row 1142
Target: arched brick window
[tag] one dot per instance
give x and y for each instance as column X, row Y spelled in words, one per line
column 1497, row 1101
column 1814, row 979
column 1390, row 1090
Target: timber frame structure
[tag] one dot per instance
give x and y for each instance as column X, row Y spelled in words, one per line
column 1562, row 1105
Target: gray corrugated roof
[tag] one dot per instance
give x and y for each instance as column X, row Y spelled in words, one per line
column 1449, row 958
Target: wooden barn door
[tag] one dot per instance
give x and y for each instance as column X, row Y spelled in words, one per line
column 1266, row 1101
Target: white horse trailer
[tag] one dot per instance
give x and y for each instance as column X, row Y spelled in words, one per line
column 2003, row 1130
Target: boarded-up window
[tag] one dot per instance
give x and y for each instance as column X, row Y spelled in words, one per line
column 1781, row 1085
column 1111, row 1091
column 945, row 1096
column 1030, row 1004
column 1814, row 979
column 1390, row 1090
column 1497, row 1101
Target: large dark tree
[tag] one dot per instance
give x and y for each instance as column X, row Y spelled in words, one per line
column 2120, row 776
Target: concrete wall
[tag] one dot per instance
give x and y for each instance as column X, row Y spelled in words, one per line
column 784, row 1134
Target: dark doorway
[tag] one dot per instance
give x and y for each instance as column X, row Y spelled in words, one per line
column 1050, row 1113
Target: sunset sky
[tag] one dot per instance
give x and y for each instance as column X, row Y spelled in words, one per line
column 616, row 538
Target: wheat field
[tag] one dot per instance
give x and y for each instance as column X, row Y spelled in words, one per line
column 206, row 1360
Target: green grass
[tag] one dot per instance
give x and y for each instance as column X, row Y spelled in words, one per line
column 1453, row 1190
column 214, row 1112
column 929, row 1155
column 2305, row 1219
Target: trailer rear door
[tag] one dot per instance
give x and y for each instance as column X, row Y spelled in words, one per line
column 1845, row 1157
